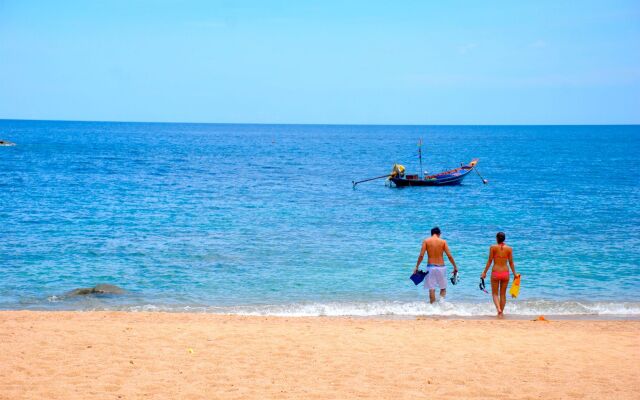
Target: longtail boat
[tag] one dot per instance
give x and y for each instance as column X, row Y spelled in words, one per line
column 447, row 178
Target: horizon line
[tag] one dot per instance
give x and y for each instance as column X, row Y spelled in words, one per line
column 305, row 123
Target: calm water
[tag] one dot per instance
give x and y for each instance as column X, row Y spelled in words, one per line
column 263, row 219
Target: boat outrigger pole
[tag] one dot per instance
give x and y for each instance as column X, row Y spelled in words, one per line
column 370, row 179
column 398, row 170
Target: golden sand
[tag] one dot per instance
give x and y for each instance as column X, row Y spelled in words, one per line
column 119, row 355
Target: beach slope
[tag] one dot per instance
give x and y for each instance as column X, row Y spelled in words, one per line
column 119, row 355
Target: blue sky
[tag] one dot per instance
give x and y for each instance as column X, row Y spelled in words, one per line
column 354, row 62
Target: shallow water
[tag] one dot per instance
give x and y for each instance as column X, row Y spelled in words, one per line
column 263, row 219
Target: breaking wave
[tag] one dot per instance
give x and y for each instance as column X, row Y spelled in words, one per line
column 410, row 309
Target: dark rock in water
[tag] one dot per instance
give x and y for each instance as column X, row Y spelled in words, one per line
column 80, row 292
column 6, row 143
column 98, row 289
column 106, row 288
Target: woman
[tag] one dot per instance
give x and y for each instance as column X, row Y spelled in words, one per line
column 499, row 253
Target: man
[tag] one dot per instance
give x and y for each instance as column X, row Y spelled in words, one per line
column 434, row 246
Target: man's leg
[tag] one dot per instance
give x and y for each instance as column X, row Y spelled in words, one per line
column 441, row 281
column 432, row 296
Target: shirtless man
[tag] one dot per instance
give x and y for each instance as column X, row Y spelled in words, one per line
column 434, row 246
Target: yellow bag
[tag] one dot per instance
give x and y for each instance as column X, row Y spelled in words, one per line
column 515, row 287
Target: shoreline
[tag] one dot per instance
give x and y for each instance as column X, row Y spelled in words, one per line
column 122, row 355
column 383, row 317
column 377, row 309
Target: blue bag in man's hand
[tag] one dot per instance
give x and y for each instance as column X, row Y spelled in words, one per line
column 418, row 277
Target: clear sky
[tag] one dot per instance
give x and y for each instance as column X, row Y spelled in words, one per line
column 368, row 62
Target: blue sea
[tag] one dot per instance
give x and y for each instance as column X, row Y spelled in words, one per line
column 263, row 219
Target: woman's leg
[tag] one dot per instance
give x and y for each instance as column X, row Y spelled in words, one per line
column 503, row 293
column 494, row 294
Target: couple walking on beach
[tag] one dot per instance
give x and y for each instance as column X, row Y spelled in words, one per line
column 499, row 255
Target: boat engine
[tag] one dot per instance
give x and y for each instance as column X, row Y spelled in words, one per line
column 397, row 171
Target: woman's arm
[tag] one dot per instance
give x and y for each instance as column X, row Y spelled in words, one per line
column 486, row 268
column 513, row 265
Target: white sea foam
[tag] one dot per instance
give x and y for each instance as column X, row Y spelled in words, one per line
column 409, row 309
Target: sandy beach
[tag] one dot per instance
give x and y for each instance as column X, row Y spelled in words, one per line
column 118, row 355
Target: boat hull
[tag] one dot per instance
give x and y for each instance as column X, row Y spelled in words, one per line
column 449, row 178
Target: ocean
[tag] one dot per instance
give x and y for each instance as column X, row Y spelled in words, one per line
column 263, row 219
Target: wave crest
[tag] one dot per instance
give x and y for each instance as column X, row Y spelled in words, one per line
column 410, row 309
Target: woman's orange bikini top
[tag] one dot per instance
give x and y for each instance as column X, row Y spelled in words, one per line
column 501, row 247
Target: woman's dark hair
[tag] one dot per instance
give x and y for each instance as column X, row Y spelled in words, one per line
column 500, row 236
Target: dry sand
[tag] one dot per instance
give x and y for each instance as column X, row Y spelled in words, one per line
column 114, row 355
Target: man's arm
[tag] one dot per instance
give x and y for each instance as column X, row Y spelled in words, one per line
column 450, row 257
column 421, row 256
column 513, row 265
column 486, row 268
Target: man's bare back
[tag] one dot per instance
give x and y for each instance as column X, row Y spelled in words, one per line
column 436, row 273
column 435, row 249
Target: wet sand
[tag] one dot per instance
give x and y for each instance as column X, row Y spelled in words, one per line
column 120, row 355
